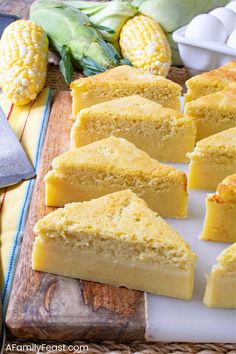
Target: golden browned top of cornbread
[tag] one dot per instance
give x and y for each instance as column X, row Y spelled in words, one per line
column 217, row 78
column 223, row 100
column 127, row 74
column 226, row 138
column 137, row 107
column 220, row 145
column 120, row 216
column 226, row 191
column 230, row 182
column 226, row 260
column 114, row 154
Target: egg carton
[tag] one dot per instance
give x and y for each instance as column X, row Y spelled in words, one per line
column 200, row 56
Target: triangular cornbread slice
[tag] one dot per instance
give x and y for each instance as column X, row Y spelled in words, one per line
column 221, row 282
column 213, row 113
column 209, row 82
column 116, row 240
column 220, row 221
column 123, row 81
column 165, row 134
column 114, row 164
column 213, row 159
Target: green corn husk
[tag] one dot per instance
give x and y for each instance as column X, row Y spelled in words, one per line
column 72, row 35
column 110, row 15
column 175, row 57
column 137, row 3
column 172, row 14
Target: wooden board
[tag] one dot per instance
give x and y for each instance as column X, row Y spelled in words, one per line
column 50, row 307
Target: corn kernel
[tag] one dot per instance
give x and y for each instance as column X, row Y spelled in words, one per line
column 23, row 61
column 144, row 43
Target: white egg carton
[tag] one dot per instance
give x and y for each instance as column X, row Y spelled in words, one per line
column 200, row 56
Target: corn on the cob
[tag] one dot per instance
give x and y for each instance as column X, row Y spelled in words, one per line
column 144, row 43
column 23, row 61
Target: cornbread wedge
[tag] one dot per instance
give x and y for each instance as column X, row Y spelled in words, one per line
column 123, row 81
column 111, row 165
column 221, row 282
column 165, row 134
column 210, row 82
column 116, row 240
column 213, row 113
column 213, row 159
column 220, row 221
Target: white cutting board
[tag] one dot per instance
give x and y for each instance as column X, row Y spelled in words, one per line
column 168, row 319
column 171, row 320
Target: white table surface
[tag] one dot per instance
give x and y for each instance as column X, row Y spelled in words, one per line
column 169, row 319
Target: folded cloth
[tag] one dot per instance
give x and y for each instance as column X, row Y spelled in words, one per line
column 29, row 123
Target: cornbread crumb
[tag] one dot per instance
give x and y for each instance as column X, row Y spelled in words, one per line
column 221, row 282
column 165, row 134
column 213, row 159
column 227, row 261
column 123, row 81
column 213, row 113
column 209, row 82
column 226, row 191
column 116, row 240
column 114, row 164
column 123, row 223
column 218, row 148
column 220, row 220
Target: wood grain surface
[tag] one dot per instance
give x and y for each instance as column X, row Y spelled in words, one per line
column 16, row 7
column 46, row 306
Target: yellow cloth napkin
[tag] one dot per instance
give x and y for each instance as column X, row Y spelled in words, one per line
column 29, row 123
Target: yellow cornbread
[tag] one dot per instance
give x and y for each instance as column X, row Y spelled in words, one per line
column 221, row 282
column 220, row 221
column 116, row 240
column 209, row 82
column 111, row 165
column 165, row 134
column 213, row 159
column 123, row 81
column 213, row 113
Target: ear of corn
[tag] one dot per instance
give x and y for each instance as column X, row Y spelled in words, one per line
column 23, row 61
column 144, row 43
column 172, row 14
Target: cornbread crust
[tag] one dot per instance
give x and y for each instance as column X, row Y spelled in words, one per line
column 220, row 221
column 114, row 164
column 213, row 113
column 118, row 240
column 165, row 134
column 226, row 191
column 210, row 82
column 213, row 159
column 221, row 282
column 123, row 81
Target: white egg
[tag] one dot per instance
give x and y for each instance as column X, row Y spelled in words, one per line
column 227, row 17
column 206, row 27
column 232, row 6
column 232, row 40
